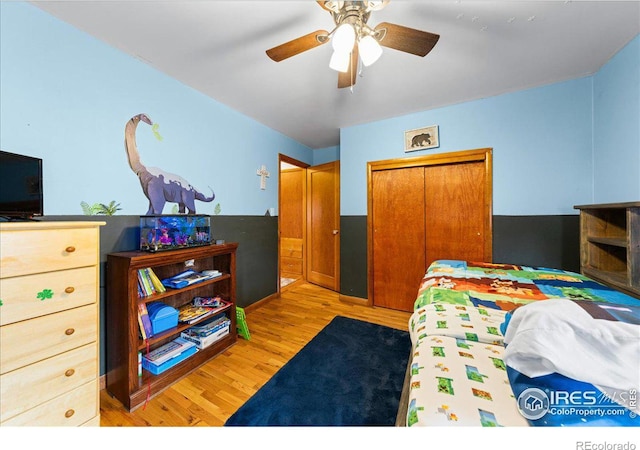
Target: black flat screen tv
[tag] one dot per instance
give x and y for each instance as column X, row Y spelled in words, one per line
column 20, row 186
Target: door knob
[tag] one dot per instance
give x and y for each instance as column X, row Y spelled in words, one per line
column 335, row 231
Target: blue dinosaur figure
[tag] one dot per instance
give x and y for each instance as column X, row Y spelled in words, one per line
column 160, row 187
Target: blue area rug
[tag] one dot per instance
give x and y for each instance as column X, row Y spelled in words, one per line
column 350, row 374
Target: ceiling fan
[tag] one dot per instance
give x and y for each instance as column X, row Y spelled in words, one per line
column 352, row 38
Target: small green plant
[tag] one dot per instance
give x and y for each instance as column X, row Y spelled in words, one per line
column 217, row 210
column 110, row 209
column 100, row 208
column 90, row 210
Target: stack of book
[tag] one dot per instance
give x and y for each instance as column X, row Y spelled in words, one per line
column 149, row 283
column 209, row 332
column 168, row 355
column 190, row 313
column 201, row 307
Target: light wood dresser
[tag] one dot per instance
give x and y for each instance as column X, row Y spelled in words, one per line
column 49, row 323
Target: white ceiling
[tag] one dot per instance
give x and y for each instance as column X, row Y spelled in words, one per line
column 486, row 48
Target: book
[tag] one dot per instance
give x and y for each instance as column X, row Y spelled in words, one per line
column 186, row 278
column 147, row 280
column 209, row 302
column 142, row 283
column 210, row 326
column 155, row 281
column 146, row 321
column 141, row 325
column 190, row 313
column 167, row 351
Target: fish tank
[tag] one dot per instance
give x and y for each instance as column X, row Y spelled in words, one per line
column 172, row 232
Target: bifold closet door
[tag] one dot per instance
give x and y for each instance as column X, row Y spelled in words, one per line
column 398, row 213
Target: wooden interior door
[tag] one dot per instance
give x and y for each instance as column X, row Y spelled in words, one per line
column 292, row 222
column 323, row 225
column 421, row 209
column 456, row 221
column 398, row 214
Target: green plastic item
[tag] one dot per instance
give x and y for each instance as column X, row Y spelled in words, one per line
column 243, row 328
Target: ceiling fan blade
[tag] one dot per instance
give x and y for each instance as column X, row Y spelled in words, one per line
column 348, row 78
column 406, row 39
column 298, row 45
column 322, row 5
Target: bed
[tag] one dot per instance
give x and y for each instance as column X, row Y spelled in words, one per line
column 509, row 345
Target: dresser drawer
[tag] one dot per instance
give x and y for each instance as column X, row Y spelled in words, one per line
column 26, row 342
column 25, row 252
column 71, row 409
column 37, row 383
column 291, row 265
column 41, row 294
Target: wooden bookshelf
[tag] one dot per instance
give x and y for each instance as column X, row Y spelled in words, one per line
column 123, row 341
column 610, row 244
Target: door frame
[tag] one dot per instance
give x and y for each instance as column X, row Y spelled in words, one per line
column 474, row 155
column 287, row 159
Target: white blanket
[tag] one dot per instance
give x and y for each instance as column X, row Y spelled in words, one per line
column 560, row 336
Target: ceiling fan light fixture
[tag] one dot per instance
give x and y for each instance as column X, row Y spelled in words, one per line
column 340, row 61
column 369, row 50
column 343, row 38
column 375, row 5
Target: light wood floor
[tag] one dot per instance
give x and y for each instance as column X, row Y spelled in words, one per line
column 279, row 329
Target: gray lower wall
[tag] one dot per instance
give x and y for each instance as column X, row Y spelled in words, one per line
column 551, row 241
column 547, row 241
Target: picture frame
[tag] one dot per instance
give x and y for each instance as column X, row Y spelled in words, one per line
column 421, row 138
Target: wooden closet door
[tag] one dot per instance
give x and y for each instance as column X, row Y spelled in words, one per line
column 398, row 214
column 422, row 209
column 456, row 216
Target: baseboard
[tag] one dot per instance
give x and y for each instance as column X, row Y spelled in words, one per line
column 354, row 300
column 261, row 302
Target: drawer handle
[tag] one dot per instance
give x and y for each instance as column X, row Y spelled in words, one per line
column 69, row 413
column 69, row 331
column 70, row 249
column 70, row 289
column 69, row 372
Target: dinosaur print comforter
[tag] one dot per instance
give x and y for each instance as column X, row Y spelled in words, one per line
column 477, row 354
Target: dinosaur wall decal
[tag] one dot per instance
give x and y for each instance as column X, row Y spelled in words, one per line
column 160, row 187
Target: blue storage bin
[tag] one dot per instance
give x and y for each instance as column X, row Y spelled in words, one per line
column 163, row 317
column 158, row 369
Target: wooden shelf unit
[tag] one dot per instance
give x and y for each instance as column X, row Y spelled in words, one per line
column 610, row 244
column 122, row 329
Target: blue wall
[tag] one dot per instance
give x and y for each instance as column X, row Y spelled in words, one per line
column 326, row 155
column 547, row 142
column 616, row 127
column 66, row 98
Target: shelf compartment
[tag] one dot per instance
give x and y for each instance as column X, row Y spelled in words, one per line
column 174, row 332
column 610, row 244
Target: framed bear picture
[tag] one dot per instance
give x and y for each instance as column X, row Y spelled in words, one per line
column 421, row 139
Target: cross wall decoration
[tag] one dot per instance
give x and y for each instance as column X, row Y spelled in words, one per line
column 263, row 174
